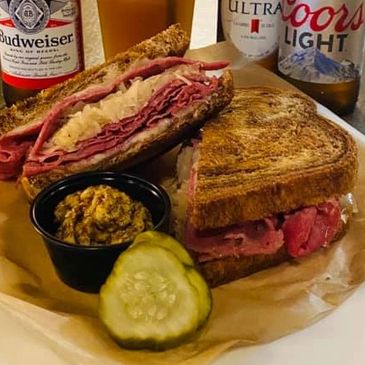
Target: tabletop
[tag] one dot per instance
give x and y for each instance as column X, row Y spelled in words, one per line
column 344, row 327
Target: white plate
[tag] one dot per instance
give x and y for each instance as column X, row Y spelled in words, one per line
column 338, row 339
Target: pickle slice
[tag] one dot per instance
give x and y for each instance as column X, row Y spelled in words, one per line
column 166, row 241
column 205, row 297
column 149, row 300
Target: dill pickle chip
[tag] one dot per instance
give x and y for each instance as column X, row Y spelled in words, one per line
column 205, row 297
column 166, row 241
column 152, row 300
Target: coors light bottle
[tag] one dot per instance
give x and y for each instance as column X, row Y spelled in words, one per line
column 321, row 49
column 40, row 45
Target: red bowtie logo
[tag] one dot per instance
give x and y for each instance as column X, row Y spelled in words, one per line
column 255, row 25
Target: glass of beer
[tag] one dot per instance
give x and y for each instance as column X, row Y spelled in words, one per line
column 127, row 22
column 181, row 11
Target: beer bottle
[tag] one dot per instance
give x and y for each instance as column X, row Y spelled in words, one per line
column 40, row 45
column 321, row 49
column 253, row 27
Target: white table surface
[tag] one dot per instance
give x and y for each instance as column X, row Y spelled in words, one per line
column 338, row 339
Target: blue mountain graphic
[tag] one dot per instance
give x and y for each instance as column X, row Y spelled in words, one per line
column 312, row 65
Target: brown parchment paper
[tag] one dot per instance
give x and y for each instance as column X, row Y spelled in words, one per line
column 43, row 321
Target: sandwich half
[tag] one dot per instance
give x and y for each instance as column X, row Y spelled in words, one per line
column 114, row 116
column 262, row 183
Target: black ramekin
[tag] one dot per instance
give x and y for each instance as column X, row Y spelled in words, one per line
column 86, row 268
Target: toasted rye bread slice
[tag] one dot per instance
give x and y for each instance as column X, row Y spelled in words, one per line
column 183, row 126
column 222, row 271
column 171, row 42
column 267, row 153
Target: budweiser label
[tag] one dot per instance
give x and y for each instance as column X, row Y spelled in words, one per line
column 39, row 41
column 252, row 26
column 322, row 41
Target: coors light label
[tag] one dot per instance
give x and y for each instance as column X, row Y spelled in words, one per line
column 253, row 26
column 40, row 42
column 321, row 41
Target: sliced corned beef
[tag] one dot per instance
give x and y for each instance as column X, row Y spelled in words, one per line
column 25, row 143
column 13, row 149
column 247, row 239
column 164, row 104
column 308, row 229
column 302, row 231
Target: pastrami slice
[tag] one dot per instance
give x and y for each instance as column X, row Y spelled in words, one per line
column 302, row 232
column 96, row 93
column 19, row 146
column 247, row 239
column 13, row 149
column 312, row 228
column 164, row 104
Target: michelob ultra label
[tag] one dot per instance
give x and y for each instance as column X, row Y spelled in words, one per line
column 252, row 26
column 40, row 42
column 322, row 41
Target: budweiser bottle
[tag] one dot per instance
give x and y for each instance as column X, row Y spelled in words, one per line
column 253, row 27
column 40, row 45
column 321, row 49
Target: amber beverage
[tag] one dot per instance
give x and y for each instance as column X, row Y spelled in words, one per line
column 181, row 11
column 127, row 22
column 340, row 97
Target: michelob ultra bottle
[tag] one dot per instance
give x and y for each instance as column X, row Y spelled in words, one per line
column 253, row 27
column 321, row 49
column 40, row 45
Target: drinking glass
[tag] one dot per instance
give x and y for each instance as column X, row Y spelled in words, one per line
column 127, row 22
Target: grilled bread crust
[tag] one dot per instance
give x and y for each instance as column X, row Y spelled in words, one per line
column 171, row 42
column 269, row 152
column 222, row 271
column 183, row 126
